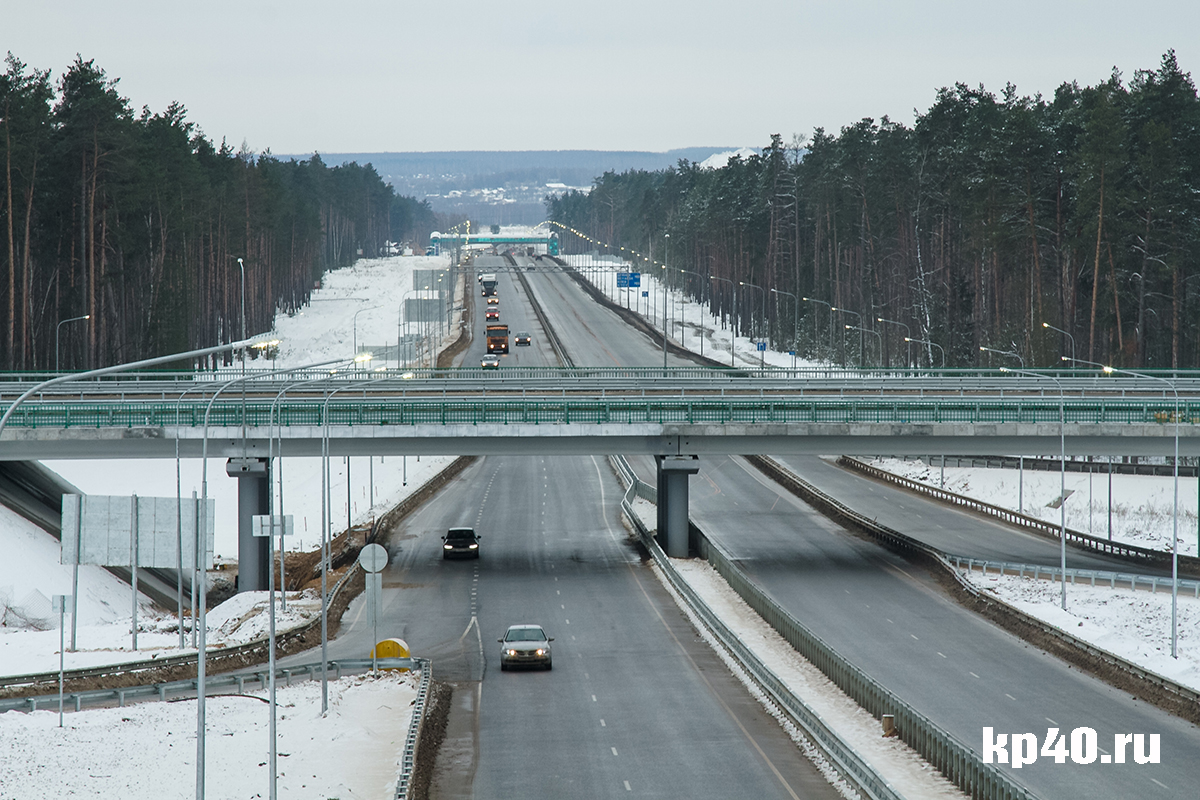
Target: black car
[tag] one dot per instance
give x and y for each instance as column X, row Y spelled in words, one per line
column 460, row 543
column 521, row 338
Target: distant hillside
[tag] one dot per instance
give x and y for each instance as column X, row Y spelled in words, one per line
column 504, row 187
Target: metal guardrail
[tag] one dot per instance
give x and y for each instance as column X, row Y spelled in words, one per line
column 848, row 763
column 1150, row 583
column 40, row 681
column 213, row 683
column 1044, row 527
column 959, row 763
column 381, row 411
column 1185, row 693
column 408, row 757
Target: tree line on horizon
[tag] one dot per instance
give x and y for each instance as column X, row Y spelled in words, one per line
column 987, row 220
column 136, row 221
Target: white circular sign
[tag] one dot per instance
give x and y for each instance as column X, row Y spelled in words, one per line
column 373, row 558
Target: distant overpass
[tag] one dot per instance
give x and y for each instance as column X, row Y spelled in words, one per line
column 440, row 242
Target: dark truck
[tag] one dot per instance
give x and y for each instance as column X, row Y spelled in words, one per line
column 488, row 281
column 497, row 338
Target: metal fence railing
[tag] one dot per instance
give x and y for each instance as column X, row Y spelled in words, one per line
column 844, row 759
column 412, row 741
column 1052, row 530
column 375, row 410
column 958, row 762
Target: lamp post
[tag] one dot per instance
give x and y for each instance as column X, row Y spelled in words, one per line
column 860, row 330
column 58, row 327
column 1175, row 508
column 763, row 358
column 702, row 312
column 795, row 325
column 941, row 349
column 1062, row 481
column 1064, row 333
column 666, row 258
column 830, row 307
column 732, row 312
column 354, row 327
column 907, row 349
column 325, row 543
column 1012, row 353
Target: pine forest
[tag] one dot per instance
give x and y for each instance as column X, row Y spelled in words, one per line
column 120, row 231
column 1036, row 227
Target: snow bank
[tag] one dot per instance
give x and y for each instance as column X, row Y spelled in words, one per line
column 149, row 750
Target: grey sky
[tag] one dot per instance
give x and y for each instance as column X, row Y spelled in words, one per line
column 370, row 75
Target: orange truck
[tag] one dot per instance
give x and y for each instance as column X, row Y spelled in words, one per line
column 497, row 338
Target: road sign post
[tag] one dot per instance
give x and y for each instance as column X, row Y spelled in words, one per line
column 373, row 559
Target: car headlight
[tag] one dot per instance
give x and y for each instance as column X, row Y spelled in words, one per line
column 541, row 652
column 473, row 547
column 447, row 547
column 510, row 652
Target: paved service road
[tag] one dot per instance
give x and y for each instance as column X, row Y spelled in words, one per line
column 948, row 529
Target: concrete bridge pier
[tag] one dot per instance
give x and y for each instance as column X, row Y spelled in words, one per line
column 254, row 486
column 672, row 480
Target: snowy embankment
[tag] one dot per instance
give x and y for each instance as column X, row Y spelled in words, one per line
column 1142, row 505
column 30, row 572
column 895, row 761
column 148, row 750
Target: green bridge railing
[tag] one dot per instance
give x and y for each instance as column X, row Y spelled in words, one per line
column 409, row 411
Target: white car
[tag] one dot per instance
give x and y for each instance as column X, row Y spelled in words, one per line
column 525, row 645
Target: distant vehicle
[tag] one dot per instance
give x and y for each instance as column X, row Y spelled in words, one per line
column 488, row 280
column 493, row 313
column 497, row 339
column 490, row 362
column 460, row 543
column 522, row 338
column 492, row 301
column 525, row 644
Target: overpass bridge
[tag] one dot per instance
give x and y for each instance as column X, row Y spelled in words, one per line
column 676, row 416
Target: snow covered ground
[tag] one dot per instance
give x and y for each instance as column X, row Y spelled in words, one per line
column 147, row 751
column 701, row 330
column 1135, row 625
column 1142, row 505
column 30, row 572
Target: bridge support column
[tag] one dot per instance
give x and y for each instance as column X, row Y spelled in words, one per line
column 254, row 488
column 673, row 473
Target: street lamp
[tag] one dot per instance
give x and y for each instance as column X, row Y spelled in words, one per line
column 1062, row 481
column 830, row 307
column 907, row 349
column 1012, row 353
column 354, row 326
column 941, row 349
column 763, row 358
column 860, row 330
column 666, row 258
column 795, row 325
column 732, row 312
column 702, row 312
column 1175, row 509
column 1064, row 333
column 75, row 319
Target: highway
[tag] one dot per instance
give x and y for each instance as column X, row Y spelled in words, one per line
column 893, row 619
column 636, row 705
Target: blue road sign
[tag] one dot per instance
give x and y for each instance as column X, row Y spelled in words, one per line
column 635, row 279
column 622, row 280
column 791, row 352
column 762, row 346
column 645, row 294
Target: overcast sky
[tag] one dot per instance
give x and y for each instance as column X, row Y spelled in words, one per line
column 374, row 75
